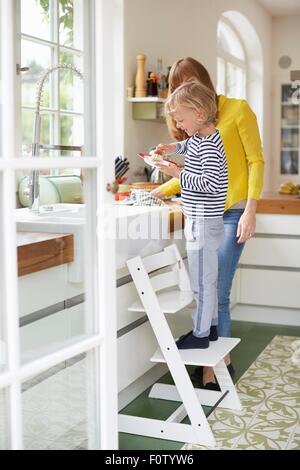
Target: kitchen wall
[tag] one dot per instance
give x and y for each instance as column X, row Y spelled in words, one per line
column 286, row 42
column 171, row 29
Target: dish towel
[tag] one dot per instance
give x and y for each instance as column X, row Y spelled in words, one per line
column 139, row 197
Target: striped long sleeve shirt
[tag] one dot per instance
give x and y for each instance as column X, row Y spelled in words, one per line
column 204, row 180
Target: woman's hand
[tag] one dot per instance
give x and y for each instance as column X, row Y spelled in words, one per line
column 165, row 149
column 171, row 169
column 158, row 193
column 247, row 223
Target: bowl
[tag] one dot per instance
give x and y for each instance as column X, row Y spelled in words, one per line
column 145, row 185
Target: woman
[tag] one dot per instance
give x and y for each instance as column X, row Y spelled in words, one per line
column 239, row 131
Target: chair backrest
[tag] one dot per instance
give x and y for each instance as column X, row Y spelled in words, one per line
column 177, row 274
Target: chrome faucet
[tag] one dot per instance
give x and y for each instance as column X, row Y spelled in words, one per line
column 34, row 187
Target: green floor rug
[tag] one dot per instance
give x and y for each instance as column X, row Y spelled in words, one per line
column 270, row 395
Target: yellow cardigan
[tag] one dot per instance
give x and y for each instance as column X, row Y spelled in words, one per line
column 239, row 131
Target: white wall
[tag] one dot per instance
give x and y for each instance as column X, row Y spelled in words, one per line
column 172, row 29
column 286, row 41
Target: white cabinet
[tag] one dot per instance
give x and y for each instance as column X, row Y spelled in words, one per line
column 270, row 288
column 278, row 224
column 269, row 270
column 276, row 252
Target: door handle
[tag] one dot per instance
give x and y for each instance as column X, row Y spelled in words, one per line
column 20, row 69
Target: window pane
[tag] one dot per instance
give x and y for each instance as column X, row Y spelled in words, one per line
column 289, row 115
column 38, row 59
column 241, row 83
column 289, row 162
column 70, row 85
column 72, row 130
column 290, row 138
column 236, row 82
column 71, row 23
column 59, row 407
column 0, row 97
column 221, row 76
column 27, row 131
column 35, row 18
column 4, row 423
column 287, row 93
column 229, row 41
column 3, row 350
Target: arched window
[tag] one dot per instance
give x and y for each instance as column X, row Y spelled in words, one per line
column 231, row 62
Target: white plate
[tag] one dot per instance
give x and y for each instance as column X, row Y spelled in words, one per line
column 151, row 163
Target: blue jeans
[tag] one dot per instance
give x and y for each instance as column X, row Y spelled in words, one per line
column 228, row 257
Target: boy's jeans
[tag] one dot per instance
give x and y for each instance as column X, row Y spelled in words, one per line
column 203, row 239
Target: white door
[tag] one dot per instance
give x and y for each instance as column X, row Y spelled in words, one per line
column 58, row 385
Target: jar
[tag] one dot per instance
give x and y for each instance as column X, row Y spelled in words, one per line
column 123, row 192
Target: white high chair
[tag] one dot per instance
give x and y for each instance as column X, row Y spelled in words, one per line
column 169, row 292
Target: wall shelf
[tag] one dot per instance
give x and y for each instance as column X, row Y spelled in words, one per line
column 149, row 108
column 147, row 99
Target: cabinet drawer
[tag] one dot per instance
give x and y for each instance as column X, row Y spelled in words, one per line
column 52, row 332
column 272, row 288
column 48, row 287
column 272, row 252
column 126, row 295
column 134, row 352
column 282, row 224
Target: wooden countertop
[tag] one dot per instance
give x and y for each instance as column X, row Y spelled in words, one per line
column 176, row 217
column 275, row 203
column 270, row 203
column 38, row 251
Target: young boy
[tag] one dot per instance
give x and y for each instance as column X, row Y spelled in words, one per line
column 204, row 183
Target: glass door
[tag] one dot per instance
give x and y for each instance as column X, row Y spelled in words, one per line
column 290, row 126
column 58, row 386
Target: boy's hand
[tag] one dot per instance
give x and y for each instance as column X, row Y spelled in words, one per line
column 172, row 169
column 165, row 149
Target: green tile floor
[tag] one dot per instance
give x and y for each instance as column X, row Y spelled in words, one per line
column 254, row 338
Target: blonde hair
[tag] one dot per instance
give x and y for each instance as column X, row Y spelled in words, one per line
column 194, row 95
column 182, row 71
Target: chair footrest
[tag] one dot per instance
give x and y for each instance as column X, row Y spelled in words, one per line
column 209, row 357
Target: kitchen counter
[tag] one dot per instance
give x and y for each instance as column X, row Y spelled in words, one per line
column 38, row 251
column 270, row 203
column 176, row 216
column 275, row 203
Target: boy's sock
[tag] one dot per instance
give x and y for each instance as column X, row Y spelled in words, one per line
column 189, row 341
column 213, row 335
